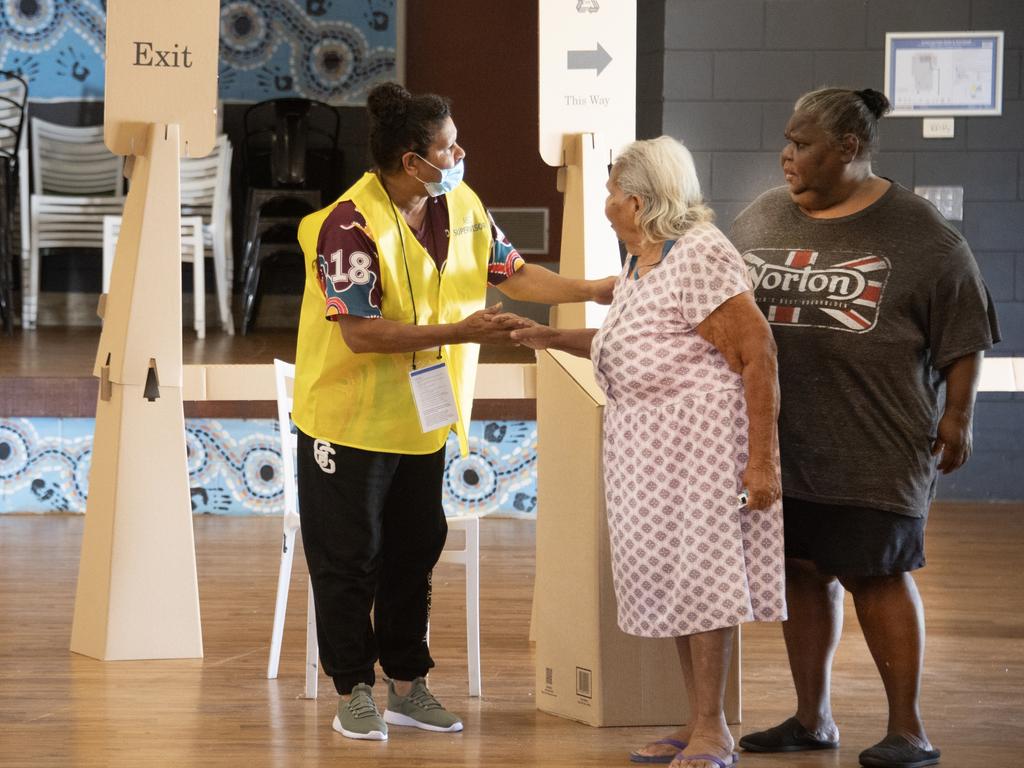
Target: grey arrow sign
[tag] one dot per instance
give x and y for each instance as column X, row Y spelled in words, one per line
column 597, row 59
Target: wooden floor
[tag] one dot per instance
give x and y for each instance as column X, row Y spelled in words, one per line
column 60, row 709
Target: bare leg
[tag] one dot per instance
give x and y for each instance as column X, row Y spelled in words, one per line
column 686, row 664
column 812, row 634
column 710, row 654
column 681, row 734
column 892, row 619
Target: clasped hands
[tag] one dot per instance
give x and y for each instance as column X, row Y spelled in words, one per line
column 492, row 326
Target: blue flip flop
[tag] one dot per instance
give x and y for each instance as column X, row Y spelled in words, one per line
column 720, row 762
column 636, row 757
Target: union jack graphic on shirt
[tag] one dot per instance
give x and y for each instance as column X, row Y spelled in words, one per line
column 839, row 290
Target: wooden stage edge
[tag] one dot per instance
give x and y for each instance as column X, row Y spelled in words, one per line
column 48, row 373
column 72, row 397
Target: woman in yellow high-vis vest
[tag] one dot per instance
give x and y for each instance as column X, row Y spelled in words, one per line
column 392, row 317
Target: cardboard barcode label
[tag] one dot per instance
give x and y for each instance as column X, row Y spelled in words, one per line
column 549, row 676
column 583, row 682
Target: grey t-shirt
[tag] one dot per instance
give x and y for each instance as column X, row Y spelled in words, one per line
column 866, row 311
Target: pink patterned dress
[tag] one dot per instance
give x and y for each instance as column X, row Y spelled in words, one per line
column 686, row 558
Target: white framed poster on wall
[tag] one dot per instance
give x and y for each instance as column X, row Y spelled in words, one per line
column 944, row 73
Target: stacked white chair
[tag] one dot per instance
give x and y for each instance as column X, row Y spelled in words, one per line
column 469, row 556
column 206, row 192
column 205, row 209
column 191, row 253
column 76, row 181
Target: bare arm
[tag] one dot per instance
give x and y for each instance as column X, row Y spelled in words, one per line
column 575, row 341
column 535, row 283
column 376, row 334
column 954, row 440
column 739, row 331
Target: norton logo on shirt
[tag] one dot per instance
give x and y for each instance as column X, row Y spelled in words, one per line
column 840, row 290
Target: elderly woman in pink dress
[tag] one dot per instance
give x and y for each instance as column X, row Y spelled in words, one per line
column 687, row 364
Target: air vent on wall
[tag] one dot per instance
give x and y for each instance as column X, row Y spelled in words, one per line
column 526, row 228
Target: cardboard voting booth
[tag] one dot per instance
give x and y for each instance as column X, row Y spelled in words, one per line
column 587, row 668
column 137, row 594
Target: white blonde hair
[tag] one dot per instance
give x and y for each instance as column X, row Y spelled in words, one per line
column 661, row 173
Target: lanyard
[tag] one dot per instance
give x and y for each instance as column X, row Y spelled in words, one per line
column 408, row 278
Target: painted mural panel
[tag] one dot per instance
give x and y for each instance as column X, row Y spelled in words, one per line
column 329, row 50
column 235, row 467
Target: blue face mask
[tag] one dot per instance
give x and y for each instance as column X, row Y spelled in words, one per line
column 450, row 178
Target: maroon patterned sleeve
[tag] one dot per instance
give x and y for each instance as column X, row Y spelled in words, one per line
column 348, row 267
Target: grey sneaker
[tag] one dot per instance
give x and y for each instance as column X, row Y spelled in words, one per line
column 358, row 717
column 419, row 709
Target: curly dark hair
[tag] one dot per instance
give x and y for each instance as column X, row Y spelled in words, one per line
column 842, row 110
column 401, row 122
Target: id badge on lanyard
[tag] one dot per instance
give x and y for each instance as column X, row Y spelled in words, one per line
column 434, row 397
column 431, row 386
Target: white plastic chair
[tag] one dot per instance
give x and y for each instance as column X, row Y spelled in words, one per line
column 206, row 192
column 191, row 253
column 284, row 377
column 76, row 182
column 469, row 556
column 205, row 196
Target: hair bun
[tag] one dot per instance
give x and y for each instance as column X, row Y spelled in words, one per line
column 875, row 101
column 388, row 104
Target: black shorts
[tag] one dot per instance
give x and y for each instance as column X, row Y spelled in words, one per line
column 853, row 541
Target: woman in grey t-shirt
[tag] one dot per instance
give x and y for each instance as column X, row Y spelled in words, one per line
column 877, row 306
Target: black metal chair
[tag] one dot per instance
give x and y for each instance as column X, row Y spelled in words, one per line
column 290, row 163
column 13, row 96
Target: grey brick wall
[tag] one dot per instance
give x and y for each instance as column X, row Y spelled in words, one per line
column 729, row 71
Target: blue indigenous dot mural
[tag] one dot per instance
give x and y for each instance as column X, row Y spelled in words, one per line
column 329, row 50
column 498, row 473
column 44, row 464
column 235, row 467
column 56, row 45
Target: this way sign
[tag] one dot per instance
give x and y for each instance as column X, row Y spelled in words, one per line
column 587, row 72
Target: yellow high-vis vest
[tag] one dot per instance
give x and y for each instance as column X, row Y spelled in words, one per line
column 364, row 400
